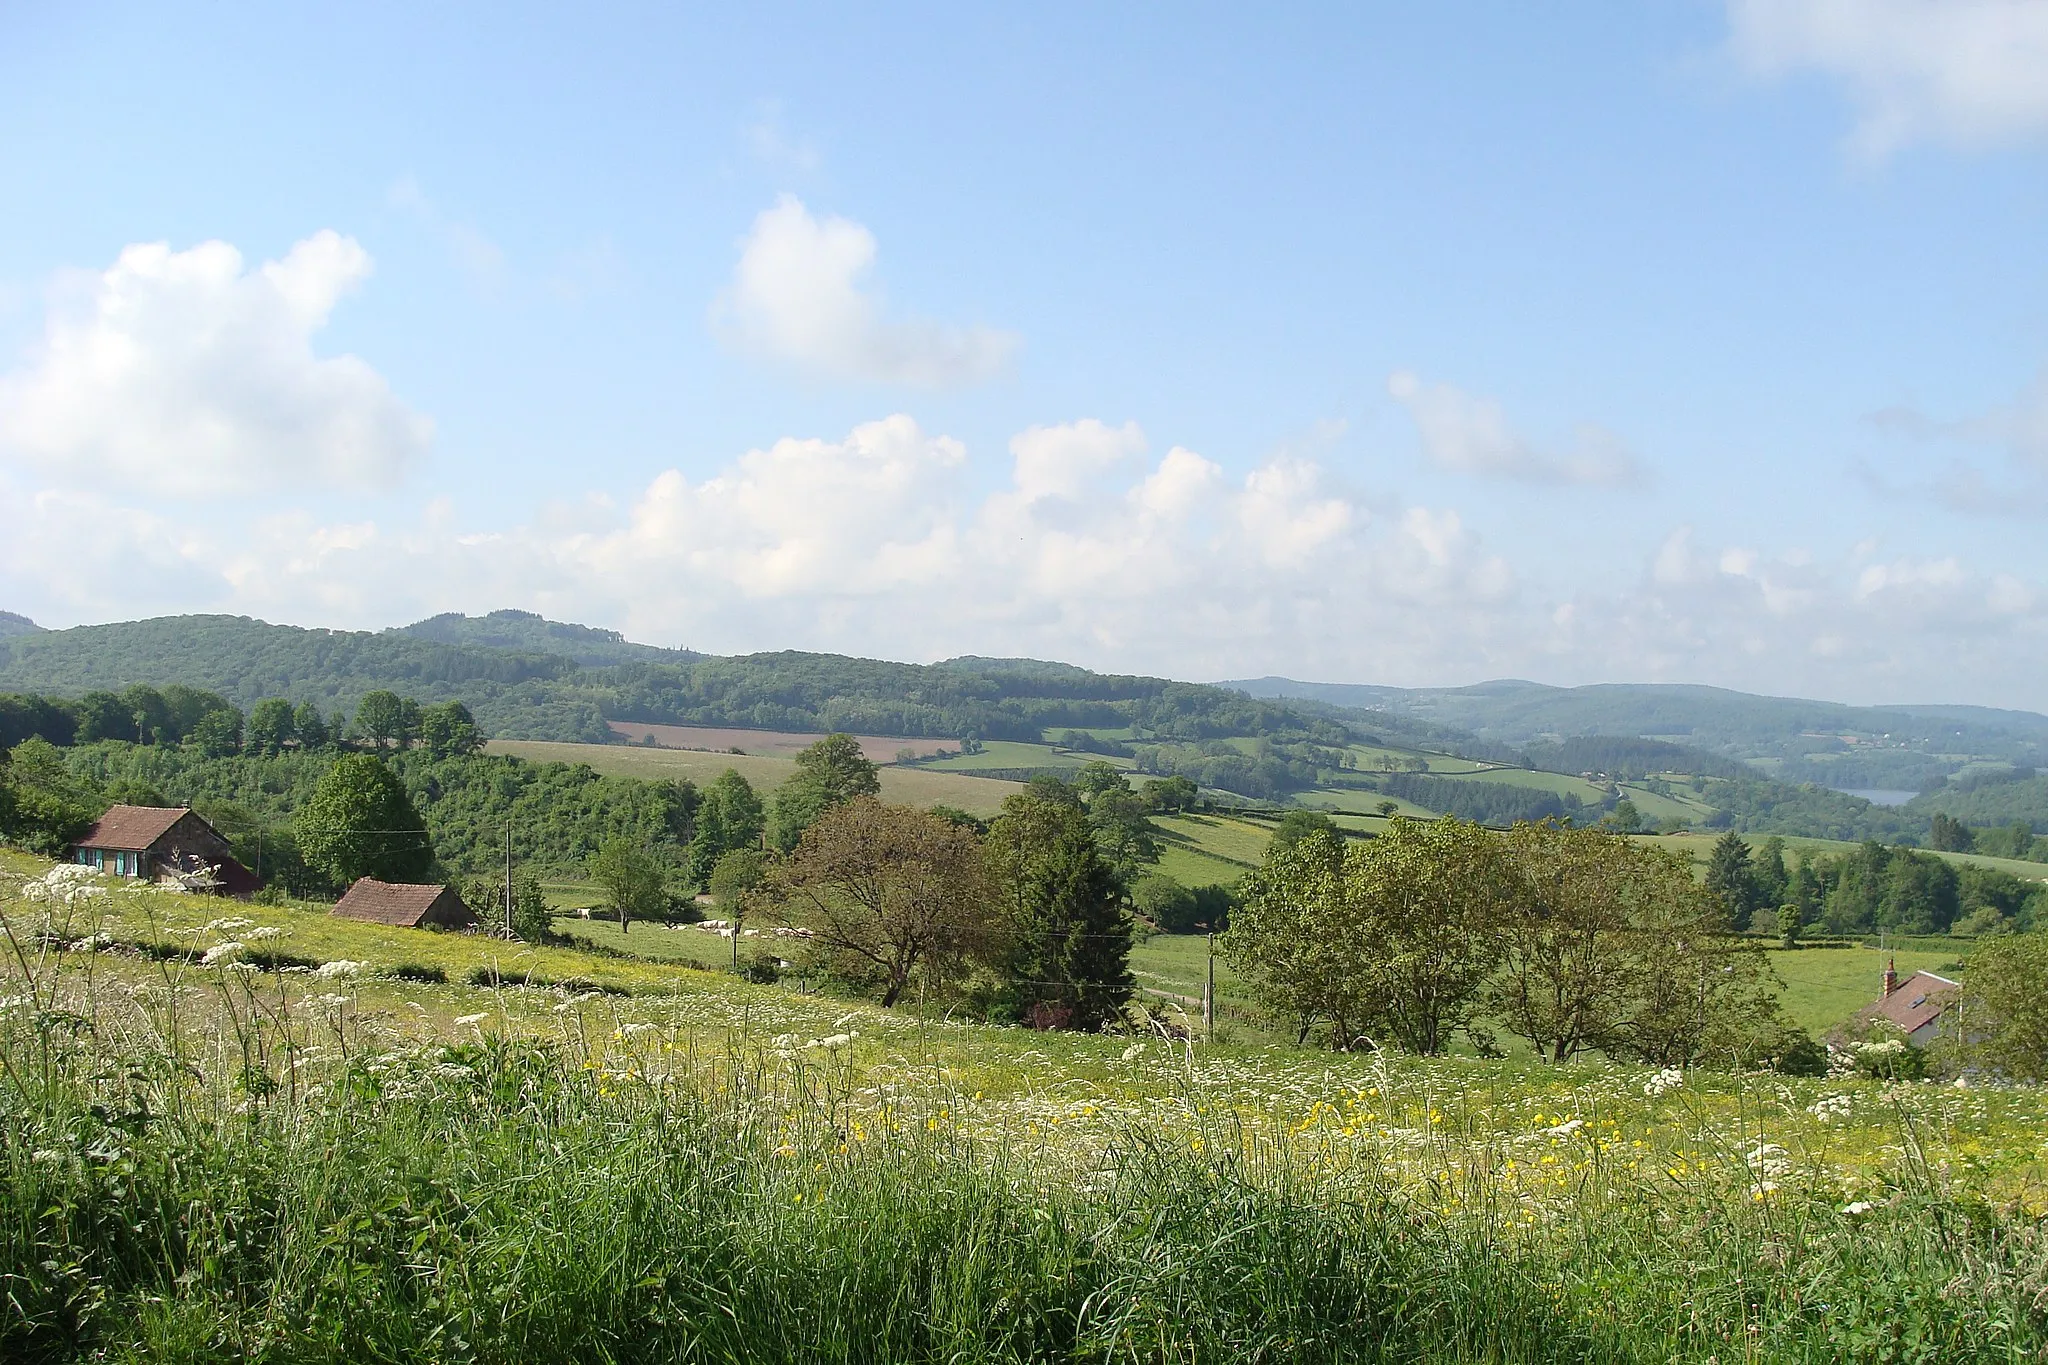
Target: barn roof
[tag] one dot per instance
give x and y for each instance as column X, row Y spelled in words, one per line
column 397, row 903
column 132, row 829
column 1916, row 1002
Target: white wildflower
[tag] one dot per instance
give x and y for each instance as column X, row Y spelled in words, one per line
column 222, row 952
column 1664, row 1082
column 1134, row 1051
column 465, row 1020
column 339, row 969
column 224, row 926
column 1859, row 1208
column 263, row 932
column 1831, row 1107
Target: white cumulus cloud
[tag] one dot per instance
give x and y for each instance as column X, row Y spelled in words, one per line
column 1965, row 71
column 183, row 373
column 801, row 295
column 1470, row 434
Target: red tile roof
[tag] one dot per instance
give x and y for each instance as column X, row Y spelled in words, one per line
column 1919, row 1000
column 402, row 904
column 132, row 829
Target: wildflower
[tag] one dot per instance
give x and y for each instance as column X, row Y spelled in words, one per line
column 263, row 932
column 1830, row 1107
column 1134, row 1051
column 1858, row 1208
column 339, row 968
column 221, row 952
column 465, row 1020
column 1665, row 1081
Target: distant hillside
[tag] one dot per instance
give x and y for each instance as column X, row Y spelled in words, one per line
column 13, row 624
column 1902, row 747
column 528, row 678
column 522, row 631
column 513, row 694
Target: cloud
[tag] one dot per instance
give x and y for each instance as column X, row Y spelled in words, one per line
column 2019, row 429
column 800, row 295
column 182, row 373
column 1961, row 71
column 1093, row 547
column 1470, row 434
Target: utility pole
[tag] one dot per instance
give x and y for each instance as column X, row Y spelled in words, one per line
column 508, row 876
column 1209, row 991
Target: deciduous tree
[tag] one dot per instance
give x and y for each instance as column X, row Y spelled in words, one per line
column 631, row 880
column 894, row 890
column 359, row 822
column 828, row 774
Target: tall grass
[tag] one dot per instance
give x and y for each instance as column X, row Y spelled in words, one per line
column 209, row 1163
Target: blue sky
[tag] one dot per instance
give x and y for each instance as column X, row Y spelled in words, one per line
column 1410, row 344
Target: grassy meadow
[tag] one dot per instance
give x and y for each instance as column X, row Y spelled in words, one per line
column 918, row 786
column 299, row 1150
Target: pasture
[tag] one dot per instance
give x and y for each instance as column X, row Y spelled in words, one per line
column 918, row 786
column 266, row 1143
column 771, row 743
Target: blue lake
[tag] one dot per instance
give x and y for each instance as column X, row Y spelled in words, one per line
column 1879, row 796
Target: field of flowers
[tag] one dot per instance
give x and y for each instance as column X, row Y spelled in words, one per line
column 1683, row 1214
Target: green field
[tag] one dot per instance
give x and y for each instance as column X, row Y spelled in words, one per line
column 1698, row 847
column 918, row 786
column 1010, row 753
column 626, row 1159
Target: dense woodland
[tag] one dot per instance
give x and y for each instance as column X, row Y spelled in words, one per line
column 521, row 676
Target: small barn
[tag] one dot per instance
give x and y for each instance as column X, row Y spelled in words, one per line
column 172, row 845
column 405, row 905
column 1915, row 1005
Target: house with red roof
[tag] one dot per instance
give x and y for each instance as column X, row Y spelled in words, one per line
column 169, row 845
column 405, row 905
column 1914, row 1006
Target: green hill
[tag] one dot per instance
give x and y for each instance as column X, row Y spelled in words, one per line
column 524, row 632
column 1904, row 747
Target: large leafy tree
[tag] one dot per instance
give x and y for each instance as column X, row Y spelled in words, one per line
column 2004, row 1006
column 1430, row 894
column 271, row 726
column 631, row 879
column 889, row 893
column 1572, row 944
column 1066, row 959
column 828, row 774
column 729, row 817
column 449, row 730
column 1390, row 939
column 1297, row 939
column 359, row 822
column 386, row 719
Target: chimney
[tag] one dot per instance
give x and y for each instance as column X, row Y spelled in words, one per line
column 1891, row 975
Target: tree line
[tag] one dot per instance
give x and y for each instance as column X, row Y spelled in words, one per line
column 1571, row 939
column 1870, row 887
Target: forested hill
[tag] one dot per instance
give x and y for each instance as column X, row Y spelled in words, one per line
column 528, row 678
column 1899, row 747
column 524, row 632
column 12, row 623
column 518, row 694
